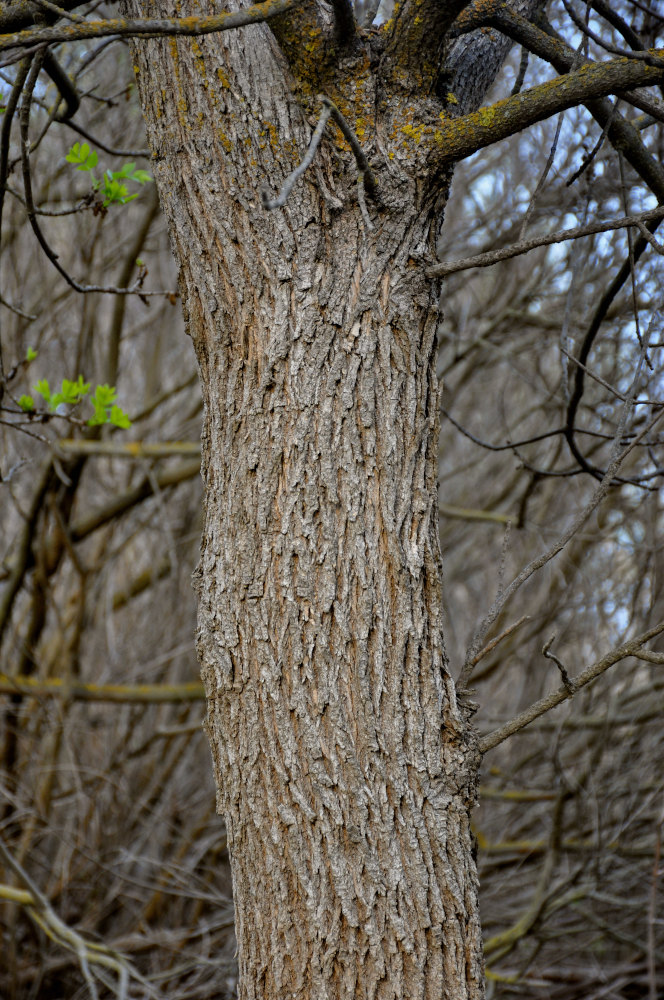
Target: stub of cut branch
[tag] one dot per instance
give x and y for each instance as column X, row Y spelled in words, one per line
column 365, row 180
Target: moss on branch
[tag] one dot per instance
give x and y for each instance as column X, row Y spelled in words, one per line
column 460, row 137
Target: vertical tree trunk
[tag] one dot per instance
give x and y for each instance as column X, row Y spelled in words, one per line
column 344, row 769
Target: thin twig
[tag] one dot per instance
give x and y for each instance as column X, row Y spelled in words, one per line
column 24, row 117
column 631, row 648
column 536, row 564
column 369, row 179
column 289, row 183
column 649, row 238
column 542, row 180
column 499, row 638
column 75, row 127
column 525, row 246
column 68, row 15
column 546, row 651
column 521, row 74
column 365, row 178
column 589, row 157
column 88, row 952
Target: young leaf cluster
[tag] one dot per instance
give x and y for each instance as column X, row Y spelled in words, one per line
column 112, row 186
column 103, row 400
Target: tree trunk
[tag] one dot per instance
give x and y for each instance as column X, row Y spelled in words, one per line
column 345, row 770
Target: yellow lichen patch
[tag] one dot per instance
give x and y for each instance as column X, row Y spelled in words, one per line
column 200, row 59
column 224, row 140
column 181, row 100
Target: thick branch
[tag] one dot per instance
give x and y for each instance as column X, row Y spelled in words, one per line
column 147, row 27
column 418, row 32
column 562, row 57
column 463, row 136
column 36, row 687
column 21, row 14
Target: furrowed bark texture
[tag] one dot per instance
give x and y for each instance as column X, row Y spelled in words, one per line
column 345, row 772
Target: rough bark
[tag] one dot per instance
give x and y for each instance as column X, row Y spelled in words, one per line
column 344, row 767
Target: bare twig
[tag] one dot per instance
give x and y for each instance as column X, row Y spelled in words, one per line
column 614, row 49
column 75, row 127
column 501, row 944
column 365, row 178
column 61, row 12
column 525, row 246
column 289, row 183
column 601, row 491
column 136, row 288
column 542, row 179
column 360, row 157
column 499, row 638
column 546, row 651
column 589, row 157
column 591, row 673
column 649, row 238
column 521, row 74
column 87, row 952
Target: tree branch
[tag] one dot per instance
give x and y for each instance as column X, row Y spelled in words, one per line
column 418, row 32
column 135, row 694
column 344, row 21
column 20, row 14
column 147, row 27
column 617, row 458
column 460, row 137
column 631, row 648
column 525, row 246
column 563, row 58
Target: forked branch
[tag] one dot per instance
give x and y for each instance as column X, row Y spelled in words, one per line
column 365, row 179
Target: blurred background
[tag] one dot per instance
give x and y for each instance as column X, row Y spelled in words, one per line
column 107, row 803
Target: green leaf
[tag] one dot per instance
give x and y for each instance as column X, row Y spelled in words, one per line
column 82, row 156
column 106, row 410
column 126, row 171
column 104, row 395
column 44, row 389
column 114, row 191
column 26, row 403
column 74, row 154
column 70, row 393
column 119, row 417
column 100, row 417
column 141, row 176
column 30, row 354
